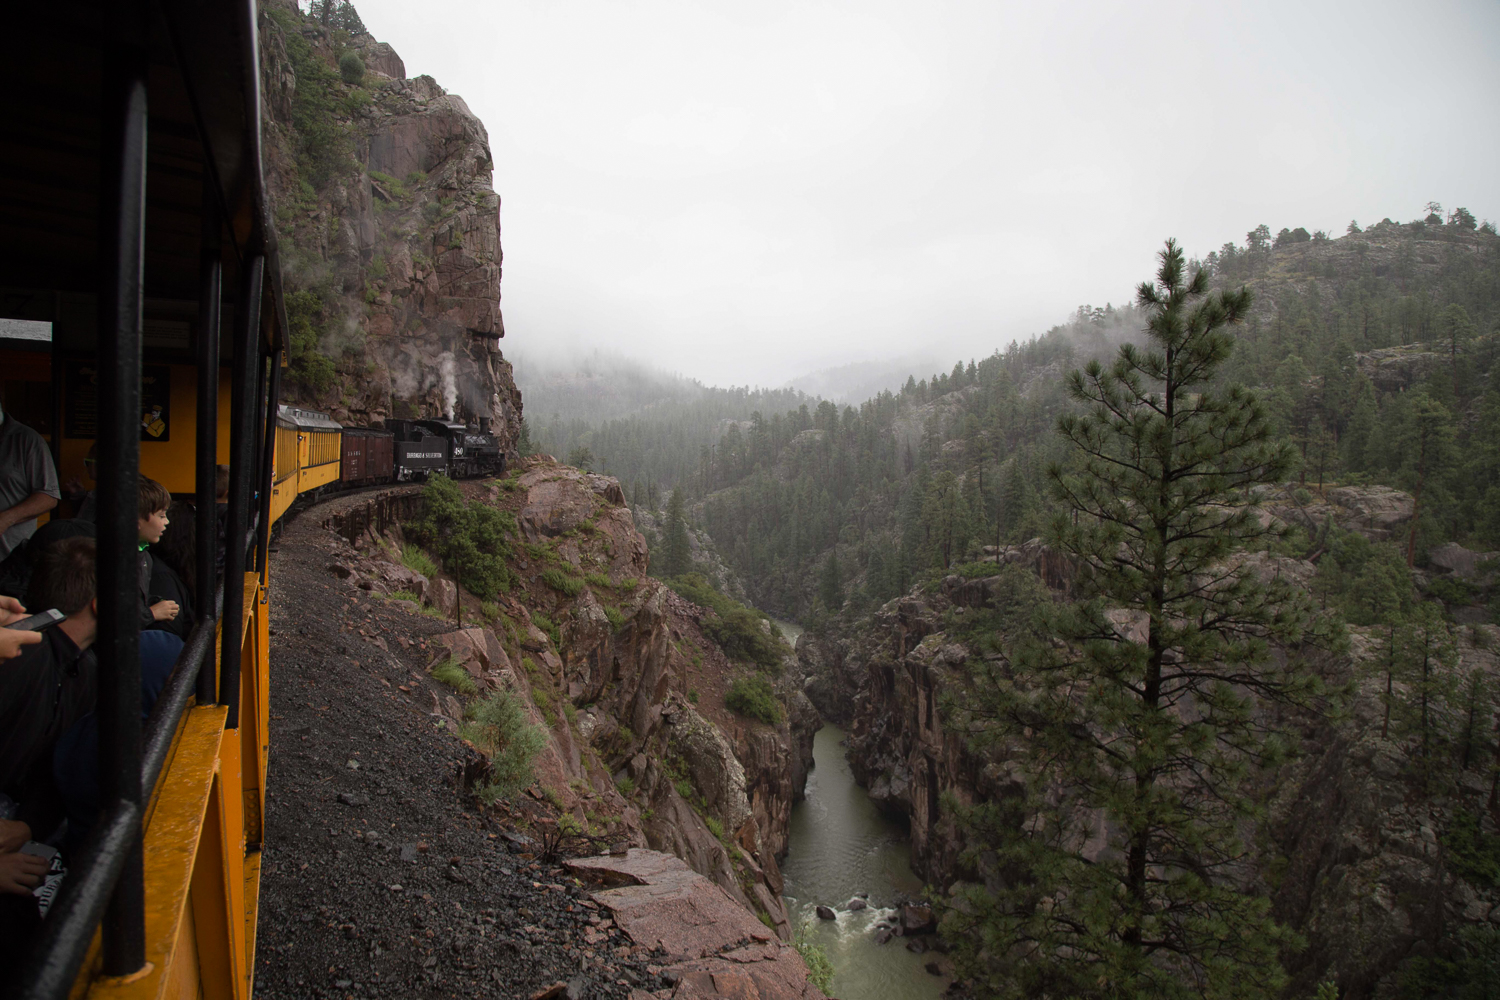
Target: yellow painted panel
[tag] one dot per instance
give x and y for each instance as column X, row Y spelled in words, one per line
column 184, row 979
column 171, row 463
column 171, row 845
column 282, row 496
column 319, row 475
column 252, row 909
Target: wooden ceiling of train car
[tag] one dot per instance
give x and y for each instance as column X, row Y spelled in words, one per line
column 203, row 122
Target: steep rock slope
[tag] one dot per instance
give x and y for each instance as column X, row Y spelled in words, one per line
column 390, row 230
column 623, row 680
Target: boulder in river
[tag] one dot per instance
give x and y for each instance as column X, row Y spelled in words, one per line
column 917, row 946
column 917, row 919
column 855, row 904
column 933, row 969
column 883, row 935
column 826, row 913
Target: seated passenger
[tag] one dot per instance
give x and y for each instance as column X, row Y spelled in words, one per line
column 75, row 761
column 174, row 567
column 154, row 501
column 51, row 685
column 15, row 571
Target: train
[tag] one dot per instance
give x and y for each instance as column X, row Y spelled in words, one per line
column 315, row 454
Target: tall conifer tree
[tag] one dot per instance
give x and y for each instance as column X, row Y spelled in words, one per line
column 677, row 558
column 1117, row 871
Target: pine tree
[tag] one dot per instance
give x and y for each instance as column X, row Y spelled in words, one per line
column 831, row 583
column 1117, row 871
column 1426, row 659
column 346, row 17
column 1425, row 442
column 677, row 556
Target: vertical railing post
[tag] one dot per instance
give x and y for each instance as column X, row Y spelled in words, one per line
column 206, row 528
column 268, row 468
column 242, row 472
column 121, row 276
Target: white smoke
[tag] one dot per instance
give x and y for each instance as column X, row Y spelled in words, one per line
column 447, row 371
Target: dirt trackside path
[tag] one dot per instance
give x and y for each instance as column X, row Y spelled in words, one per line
column 381, row 878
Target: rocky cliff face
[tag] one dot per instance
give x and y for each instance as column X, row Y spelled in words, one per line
column 390, row 233
column 1357, row 855
column 628, row 688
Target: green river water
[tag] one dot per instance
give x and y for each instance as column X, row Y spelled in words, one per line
column 841, row 846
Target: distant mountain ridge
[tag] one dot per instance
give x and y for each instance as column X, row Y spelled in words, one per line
column 861, row 380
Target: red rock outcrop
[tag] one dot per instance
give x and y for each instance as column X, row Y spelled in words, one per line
column 713, row 946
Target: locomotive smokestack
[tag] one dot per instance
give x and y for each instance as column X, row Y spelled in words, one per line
column 484, row 425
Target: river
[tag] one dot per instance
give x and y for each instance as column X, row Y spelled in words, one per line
column 840, row 845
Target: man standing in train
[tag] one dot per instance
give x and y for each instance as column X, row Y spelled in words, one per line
column 28, row 481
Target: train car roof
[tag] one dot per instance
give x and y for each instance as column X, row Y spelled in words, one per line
column 307, row 420
column 203, row 148
column 367, row 432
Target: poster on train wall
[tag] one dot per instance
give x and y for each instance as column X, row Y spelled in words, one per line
column 81, row 401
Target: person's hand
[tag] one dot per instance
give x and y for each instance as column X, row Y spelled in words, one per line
column 164, row 611
column 73, row 486
column 13, row 835
column 11, row 610
column 21, row 873
column 12, row 640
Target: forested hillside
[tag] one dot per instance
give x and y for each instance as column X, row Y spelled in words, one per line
column 1374, row 349
column 646, row 426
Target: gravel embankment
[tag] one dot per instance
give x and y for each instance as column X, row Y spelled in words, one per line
column 382, row 877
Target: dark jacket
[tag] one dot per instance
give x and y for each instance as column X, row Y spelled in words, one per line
column 166, row 585
column 43, row 692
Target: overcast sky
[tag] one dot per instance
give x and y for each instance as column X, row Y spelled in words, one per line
column 744, row 192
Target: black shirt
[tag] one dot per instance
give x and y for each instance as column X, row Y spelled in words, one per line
column 42, row 692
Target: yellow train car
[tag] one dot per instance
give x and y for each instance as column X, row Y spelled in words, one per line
column 308, row 457
column 317, row 449
column 140, row 282
column 287, row 465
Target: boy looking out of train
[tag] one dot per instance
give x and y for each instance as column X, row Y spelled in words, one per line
column 154, row 501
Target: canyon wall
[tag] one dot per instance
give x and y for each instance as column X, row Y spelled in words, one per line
column 1354, row 852
column 630, row 692
column 389, row 227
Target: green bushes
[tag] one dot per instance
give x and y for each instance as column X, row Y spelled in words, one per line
column 562, row 582
column 468, row 536
column 351, row 68
column 546, row 624
column 616, row 618
column 418, row 561
column 305, row 316
column 450, row 673
column 598, row 579
column 392, row 186
column 498, row 726
column 543, row 699
column 754, row 698
column 1472, row 853
column 736, row 628
column 819, row 968
column 324, row 146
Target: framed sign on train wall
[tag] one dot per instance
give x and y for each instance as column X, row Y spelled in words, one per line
column 81, row 401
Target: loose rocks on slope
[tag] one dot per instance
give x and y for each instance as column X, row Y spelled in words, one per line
column 380, row 877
